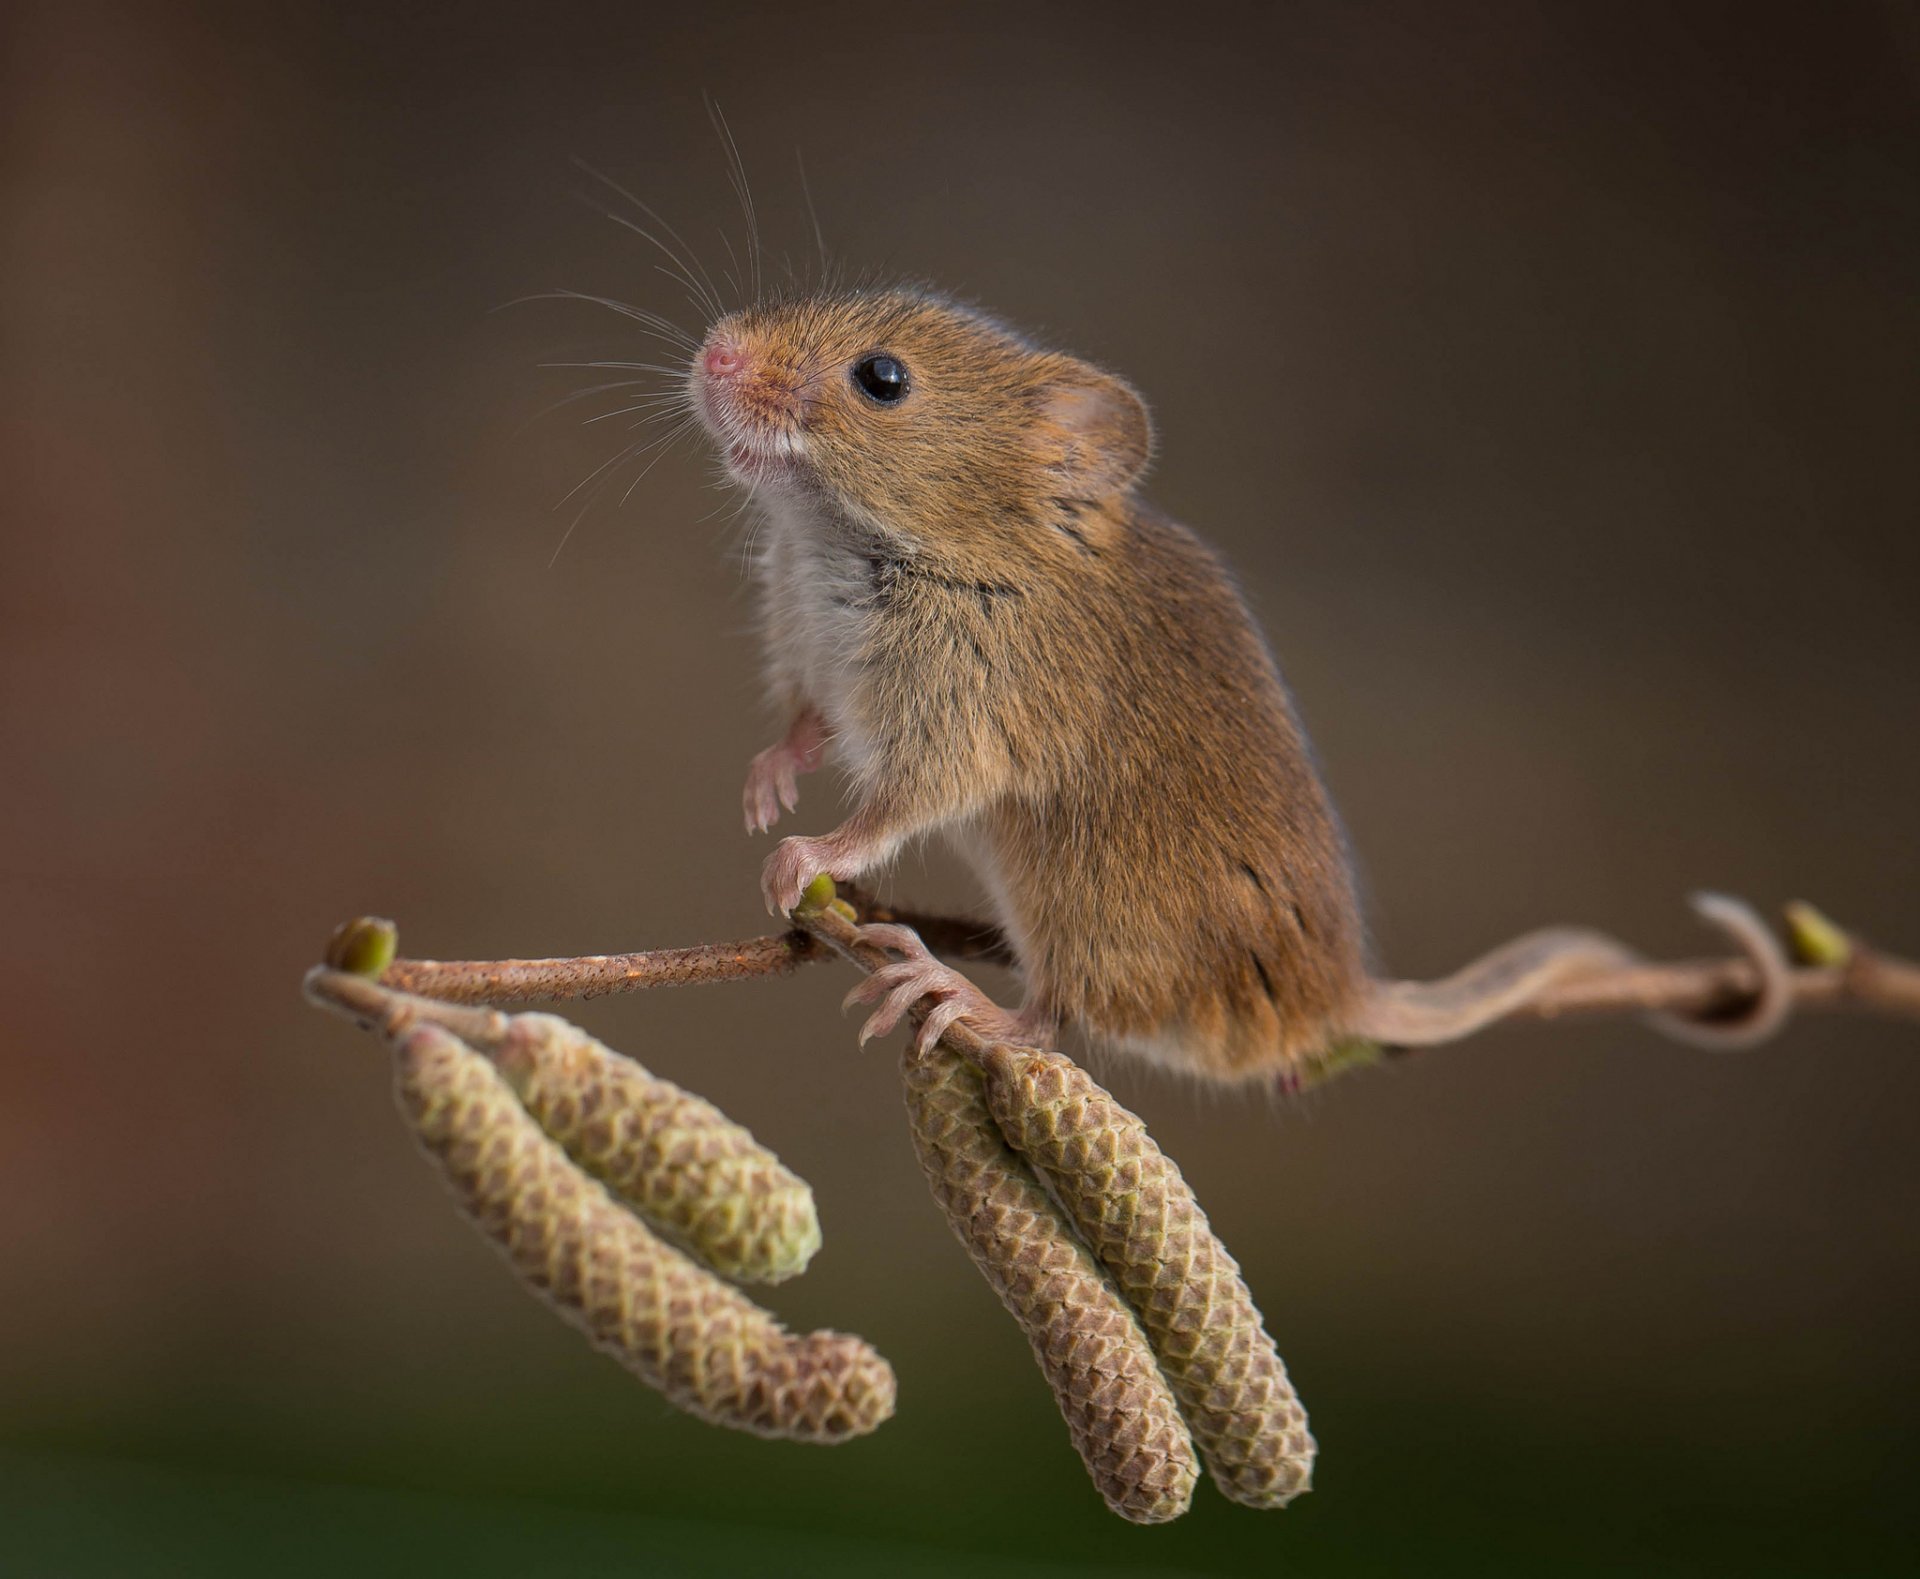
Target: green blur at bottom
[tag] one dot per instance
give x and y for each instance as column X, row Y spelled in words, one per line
column 958, row 1484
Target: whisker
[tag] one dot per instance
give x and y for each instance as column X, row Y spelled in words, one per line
column 635, row 367
column 813, row 214
column 618, row 455
column 737, row 173
column 712, row 295
column 630, row 452
column 660, row 406
column 749, row 539
column 697, row 303
column 675, row 270
column 659, row 328
column 730, row 274
column 586, row 504
column 578, row 394
column 671, row 439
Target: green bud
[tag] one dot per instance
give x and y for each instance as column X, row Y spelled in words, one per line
column 818, row 894
column 1813, row 938
column 364, row 946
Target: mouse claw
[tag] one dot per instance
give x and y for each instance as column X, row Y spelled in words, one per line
column 773, row 781
column 901, row 939
column 758, row 804
column 869, row 989
column 793, row 864
column 896, row 988
column 874, row 986
column 939, row 1020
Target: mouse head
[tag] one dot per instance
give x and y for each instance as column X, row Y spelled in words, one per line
column 925, row 420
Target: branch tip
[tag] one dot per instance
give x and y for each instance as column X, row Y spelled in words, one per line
column 364, row 946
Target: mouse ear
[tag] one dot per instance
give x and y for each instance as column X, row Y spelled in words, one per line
column 1093, row 431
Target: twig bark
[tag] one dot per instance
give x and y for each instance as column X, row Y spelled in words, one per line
column 510, row 981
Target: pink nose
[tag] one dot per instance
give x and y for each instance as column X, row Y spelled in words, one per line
column 724, row 359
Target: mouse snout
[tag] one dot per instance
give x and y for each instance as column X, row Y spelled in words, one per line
column 749, row 397
column 723, row 358
column 745, row 378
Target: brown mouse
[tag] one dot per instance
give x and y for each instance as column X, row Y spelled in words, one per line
column 967, row 601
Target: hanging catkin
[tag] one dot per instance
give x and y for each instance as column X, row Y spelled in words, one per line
column 701, row 1342
column 675, row 1158
column 1131, row 1205
column 1119, row 1412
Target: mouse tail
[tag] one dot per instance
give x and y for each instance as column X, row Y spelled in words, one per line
column 1427, row 1013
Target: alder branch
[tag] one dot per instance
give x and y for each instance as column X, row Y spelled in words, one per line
column 596, row 975
column 1079, row 1222
column 1834, row 972
column 516, row 981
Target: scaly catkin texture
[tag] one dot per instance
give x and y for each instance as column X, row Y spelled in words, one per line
column 1133, row 1207
column 702, row 1343
column 682, row 1164
column 1119, row 1411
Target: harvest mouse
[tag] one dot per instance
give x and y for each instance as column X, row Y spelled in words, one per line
column 967, row 601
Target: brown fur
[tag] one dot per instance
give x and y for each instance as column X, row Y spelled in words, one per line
column 1025, row 656
column 966, row 595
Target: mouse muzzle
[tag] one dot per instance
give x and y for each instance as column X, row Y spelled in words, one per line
column 753, row 402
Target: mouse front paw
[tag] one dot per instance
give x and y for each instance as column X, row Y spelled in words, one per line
column 794, row 864
column 773, row 777
column 773, row 781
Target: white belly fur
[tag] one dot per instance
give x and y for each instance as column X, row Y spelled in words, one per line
column 815, row 580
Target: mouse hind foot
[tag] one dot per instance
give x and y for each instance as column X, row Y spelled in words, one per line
column 897, row 987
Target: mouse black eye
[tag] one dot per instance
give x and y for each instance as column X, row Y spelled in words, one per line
column 881, row 377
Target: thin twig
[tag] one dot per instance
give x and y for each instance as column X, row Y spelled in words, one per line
column 1868, row 983
column 377, row 1006
column 596, row 975
column 1864, row 980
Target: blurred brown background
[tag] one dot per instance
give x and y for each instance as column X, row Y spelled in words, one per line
column 1548, row 372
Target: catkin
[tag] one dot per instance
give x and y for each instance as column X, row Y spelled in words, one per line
column 702, row 1343
column 689, row 1170
column 1119, row 1412
column 1132, row 1206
